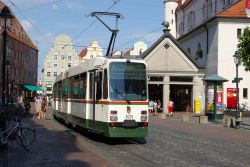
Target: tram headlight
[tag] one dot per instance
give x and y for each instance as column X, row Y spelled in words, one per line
column 144, row 118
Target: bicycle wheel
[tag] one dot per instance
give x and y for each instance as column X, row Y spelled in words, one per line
column 30, row 133
column 24, row 140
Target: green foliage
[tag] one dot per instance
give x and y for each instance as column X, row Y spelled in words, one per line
column 244, row 48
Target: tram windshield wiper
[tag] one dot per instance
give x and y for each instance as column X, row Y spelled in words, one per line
column 124, row 98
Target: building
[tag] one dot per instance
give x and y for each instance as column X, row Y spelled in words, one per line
column 60, row 58
column 209, row 31
column 137, row 49
column 90, row 52
column 169, row 15
column 173, row 74
column 21, row 58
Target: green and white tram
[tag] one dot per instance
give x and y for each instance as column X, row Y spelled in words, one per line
column 105, row 95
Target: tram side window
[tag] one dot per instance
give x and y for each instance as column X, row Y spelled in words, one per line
column 91, row 85
column 75, row 87
column 83, row 85
column 65, row 88
column 99, row 86
column 55, row 91
column 105, row 84
column 59, row 90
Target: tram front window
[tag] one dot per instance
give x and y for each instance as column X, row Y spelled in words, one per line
column 128, row 81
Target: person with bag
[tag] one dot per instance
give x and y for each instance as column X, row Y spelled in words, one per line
column 43, row 108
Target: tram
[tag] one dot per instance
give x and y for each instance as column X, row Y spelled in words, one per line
column 106, row 95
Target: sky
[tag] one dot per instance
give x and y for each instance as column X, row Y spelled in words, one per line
column 44, row 20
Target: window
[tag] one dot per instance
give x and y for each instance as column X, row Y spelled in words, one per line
column 55, row 65
column 199, row 52
column 65, row 88
column 105, row 84
column 75, row 87
column 83, row 85
column 238, row 33
column 48, row 74
column 172, row 11
column 99, row 85
column 69, row 57
column 55, row 74
column 191, row 20
column 245, row 92
column 55, row 57
column 69, row 64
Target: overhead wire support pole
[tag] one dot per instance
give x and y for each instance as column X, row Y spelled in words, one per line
column 114, row 31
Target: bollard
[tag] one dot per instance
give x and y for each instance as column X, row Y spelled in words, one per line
column 185, row 117
column 203, row 119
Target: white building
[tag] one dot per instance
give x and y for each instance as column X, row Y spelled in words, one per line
column 169, row 15
column 209, row 30
column 90, row 52
column 61, row 57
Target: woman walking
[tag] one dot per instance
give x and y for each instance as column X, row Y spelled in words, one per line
column 43, row 108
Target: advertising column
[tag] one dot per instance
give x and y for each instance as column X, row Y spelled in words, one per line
column 214, row 100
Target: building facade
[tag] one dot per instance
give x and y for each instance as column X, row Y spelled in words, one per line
column 60, row 58
column 173, row 74
column 169, row 15
column 90, row 52
column 209, row 30
column 21, row 58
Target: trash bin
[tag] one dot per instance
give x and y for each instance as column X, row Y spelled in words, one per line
column 197, row 106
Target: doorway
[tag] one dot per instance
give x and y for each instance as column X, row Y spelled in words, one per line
column 181, row 95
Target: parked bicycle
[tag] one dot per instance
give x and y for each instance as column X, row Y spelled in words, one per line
column 24, row 136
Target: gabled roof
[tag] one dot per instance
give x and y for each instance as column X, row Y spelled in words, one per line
column 24, row 38
column 164, row 36
column 83, row 53
column 236, row 10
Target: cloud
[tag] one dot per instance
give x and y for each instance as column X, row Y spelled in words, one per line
column 54, row 6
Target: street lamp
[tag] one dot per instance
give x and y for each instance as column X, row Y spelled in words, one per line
column 236, row 57
column 5, row 14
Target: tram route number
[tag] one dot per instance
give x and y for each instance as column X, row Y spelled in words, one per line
column 129, row 117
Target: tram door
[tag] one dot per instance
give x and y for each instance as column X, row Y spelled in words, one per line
column 95, row 94
column 90, row 116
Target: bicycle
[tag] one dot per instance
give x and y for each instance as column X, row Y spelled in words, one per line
column 24, row 136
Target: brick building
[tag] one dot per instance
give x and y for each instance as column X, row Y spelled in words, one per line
column 21, row 58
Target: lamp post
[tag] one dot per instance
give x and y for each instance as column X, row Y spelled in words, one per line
column 5, row 14
column 236, row 57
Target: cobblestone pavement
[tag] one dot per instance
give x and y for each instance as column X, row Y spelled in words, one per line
column 171, row 143
column 56, row 146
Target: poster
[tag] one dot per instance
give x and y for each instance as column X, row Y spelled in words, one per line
column 248, row 8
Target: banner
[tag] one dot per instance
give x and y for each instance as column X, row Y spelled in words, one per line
column 248, row 8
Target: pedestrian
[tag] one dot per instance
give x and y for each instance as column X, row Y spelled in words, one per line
column 170, row 107
column 159, row 106
column 43, row 108
column 38, row 103
column 155, row 107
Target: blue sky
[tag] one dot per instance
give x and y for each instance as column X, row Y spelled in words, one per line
column 45, row 19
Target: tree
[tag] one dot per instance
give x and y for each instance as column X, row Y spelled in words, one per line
column 244, row 48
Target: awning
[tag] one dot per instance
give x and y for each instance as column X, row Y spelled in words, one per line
column 33, row 88
column 215, row 78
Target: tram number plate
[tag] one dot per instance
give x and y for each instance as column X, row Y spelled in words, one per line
column 129, row 123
